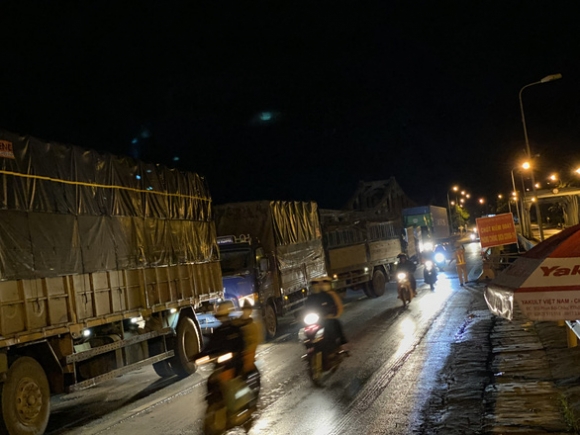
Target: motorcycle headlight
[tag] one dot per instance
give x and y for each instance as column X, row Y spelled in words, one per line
column 439, row 257
column 427, row 246
column 429, row 265
column 311, row 318
column 401, row 275
column 202, row 360
column 224, row 357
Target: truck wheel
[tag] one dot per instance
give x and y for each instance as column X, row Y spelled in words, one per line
column 162, row 368
column 270, row 320
column 25, row 398
column 368, row 290
column 379, row 283
column 187, row 347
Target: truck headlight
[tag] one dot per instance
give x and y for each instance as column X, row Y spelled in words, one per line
column 251, row 299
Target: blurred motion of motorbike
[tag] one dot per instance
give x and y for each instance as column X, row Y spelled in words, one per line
column 323, row 354
column 404, row 288
column 430, row 274
column 442, row 255
column 231, row 400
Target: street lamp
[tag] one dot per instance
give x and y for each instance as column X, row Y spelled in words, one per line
column 546, row 79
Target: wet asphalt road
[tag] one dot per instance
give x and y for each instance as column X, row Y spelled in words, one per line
column 382, row 388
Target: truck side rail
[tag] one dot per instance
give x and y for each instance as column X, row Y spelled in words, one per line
column 37, row 309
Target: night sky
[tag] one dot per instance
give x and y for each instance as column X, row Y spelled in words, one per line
column 301, row 100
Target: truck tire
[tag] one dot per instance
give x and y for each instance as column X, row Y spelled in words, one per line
column 187, row 346
column 162, row 368
column 367, row 289
column 25, row 398
column 379, row 283
column 270, row 320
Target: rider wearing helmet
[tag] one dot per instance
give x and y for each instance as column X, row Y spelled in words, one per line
column 252, row 334
column 227, row 337
column 406, row 265
column 324, row 300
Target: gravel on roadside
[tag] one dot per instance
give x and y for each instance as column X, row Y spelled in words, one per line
column 505, row 377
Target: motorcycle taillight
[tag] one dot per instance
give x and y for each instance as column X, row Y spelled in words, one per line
column 311, row 330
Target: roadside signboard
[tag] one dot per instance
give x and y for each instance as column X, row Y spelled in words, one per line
column 496, row 230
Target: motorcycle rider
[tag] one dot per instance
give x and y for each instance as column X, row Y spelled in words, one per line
column 228, row 337
column 327, row 304
column 252, row 334
column 231, row 379
column 406, row 265
column 430, row 273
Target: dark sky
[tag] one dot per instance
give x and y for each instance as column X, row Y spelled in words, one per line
column 300, row 100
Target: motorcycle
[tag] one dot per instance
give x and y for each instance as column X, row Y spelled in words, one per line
column 441, row 256
column 321, row 356
column 430, row 274
column 404, row 287
column 231, row 400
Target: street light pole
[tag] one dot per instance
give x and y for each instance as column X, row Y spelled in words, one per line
column 451, row 227
column 450, row 216
column 546, row 79
column 517, row 206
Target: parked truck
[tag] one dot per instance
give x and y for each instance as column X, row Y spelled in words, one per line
column 430, row 225
column 269, row 252
column 361, row 250
column 104, row 261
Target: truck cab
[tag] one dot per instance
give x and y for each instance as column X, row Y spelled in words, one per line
column 243, row 265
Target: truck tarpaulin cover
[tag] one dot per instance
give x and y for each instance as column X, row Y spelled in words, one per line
column 290, row 228
column 65, row 210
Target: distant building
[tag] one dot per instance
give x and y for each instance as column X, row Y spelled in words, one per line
column 383, row 198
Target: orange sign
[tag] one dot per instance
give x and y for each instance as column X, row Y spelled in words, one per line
column 496, row 230
column 6, row 149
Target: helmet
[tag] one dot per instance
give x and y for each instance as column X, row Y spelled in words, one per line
column 320, row 280
column 246, row 310
column 321, row 283
column 402, row 256
column 223, row 309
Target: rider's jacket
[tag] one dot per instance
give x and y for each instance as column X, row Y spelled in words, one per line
column 407, row 266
